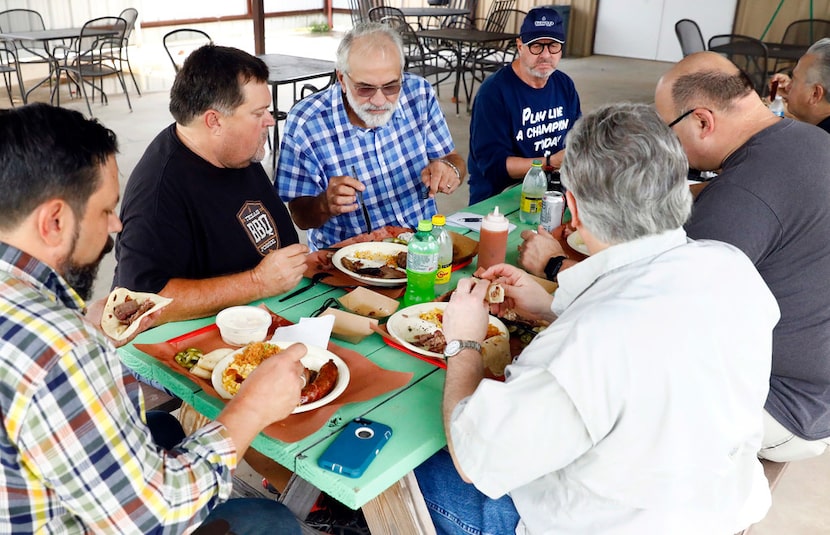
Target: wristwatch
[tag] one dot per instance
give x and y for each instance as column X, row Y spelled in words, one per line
column 553, row 267
column 454, row 347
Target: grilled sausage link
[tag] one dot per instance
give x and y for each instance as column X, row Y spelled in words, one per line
column 321, row 385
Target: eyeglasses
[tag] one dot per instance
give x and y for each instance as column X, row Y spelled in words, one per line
column 686, row 114
column 368, row 91
column 553, row 47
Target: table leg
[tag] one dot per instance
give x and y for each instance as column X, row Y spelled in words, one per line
column 399, row 510
column 299, row 496
column 458, row 71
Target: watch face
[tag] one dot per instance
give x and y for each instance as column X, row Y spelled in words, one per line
column 453, row 347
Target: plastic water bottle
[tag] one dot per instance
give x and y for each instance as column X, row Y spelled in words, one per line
column 777, row 106
column 533, row 189
column 442, row 276
column 421, row 266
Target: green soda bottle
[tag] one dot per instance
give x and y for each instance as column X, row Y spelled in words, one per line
column 421, row 266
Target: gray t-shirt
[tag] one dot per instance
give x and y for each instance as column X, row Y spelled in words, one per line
column 772, row 201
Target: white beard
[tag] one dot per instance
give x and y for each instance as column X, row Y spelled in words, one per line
column 364, row 112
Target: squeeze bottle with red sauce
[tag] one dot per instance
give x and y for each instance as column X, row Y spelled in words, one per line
column 492, row 245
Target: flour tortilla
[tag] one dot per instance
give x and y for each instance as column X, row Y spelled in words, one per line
column 495, row 293
column 496, row 354
column 114, row 328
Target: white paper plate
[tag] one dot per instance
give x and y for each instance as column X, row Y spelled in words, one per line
column 314, row 360
column 576, row 243
column 374, row 248
column 405, row 324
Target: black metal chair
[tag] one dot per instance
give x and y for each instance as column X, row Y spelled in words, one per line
column 689, row 36
column 86, row 61
column 25, row 20
column 433, row 64
column 483, row 61
column 116, row 48
column 129, row 14
column 748, row 53
column 10, row 66
column 360, row 9
column 802, row 32
column 26, row 52
column 181, row 42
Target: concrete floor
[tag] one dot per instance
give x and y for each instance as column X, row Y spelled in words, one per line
column 801, row 497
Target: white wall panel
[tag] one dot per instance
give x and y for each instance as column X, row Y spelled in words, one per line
column 645, row 28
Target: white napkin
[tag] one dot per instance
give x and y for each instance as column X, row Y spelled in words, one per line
column 457, row 220
column 309, row 331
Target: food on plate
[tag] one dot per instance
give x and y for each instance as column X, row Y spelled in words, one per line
column 495, row 352
column 125, row 309
column 376, row 264
column 205, row 364
column 188, row 357
column 246, row 362
column 319, row 383
column 426, row 331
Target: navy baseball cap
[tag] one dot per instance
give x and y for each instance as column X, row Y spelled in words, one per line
column 542, row 23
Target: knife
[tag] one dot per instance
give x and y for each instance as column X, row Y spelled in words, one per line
column 362, row 204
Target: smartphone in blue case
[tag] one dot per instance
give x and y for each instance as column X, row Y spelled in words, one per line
column 355, row 447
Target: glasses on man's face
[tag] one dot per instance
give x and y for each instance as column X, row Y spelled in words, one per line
column 368, row 91
column 686, row 114
column 553, row 47
column 681, row 117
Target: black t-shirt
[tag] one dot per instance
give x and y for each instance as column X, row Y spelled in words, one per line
column 185, row 218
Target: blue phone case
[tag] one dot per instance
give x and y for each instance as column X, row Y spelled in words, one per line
column 355, row 447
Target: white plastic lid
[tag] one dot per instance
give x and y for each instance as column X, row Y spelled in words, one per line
column 495, row 221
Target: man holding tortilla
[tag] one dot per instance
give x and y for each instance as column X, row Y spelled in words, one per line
column 620, row 417
column 78, row 453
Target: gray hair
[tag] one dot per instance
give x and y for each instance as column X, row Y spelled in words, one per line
column 627, row 170
column 374, row 30
column 819, row 72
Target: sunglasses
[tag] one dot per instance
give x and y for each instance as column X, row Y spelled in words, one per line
column 369, row 91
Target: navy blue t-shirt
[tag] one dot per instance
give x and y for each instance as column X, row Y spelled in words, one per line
column 510, row 118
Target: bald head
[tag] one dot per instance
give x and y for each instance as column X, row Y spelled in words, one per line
column 705, row 79
column 712, row 106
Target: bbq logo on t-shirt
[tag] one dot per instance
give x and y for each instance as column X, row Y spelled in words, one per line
column 260, row 227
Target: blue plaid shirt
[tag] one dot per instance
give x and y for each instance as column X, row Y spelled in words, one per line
column 75, row 453
column 320, row 142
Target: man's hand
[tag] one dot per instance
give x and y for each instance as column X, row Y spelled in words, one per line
column 268, row 395
column 466, row 315
column 95, row 312
column 341, row 196
column 440, row 177
column 521, row 292
column 275, row 385
column 536, row 249
column 281, row 270
column 784, row 84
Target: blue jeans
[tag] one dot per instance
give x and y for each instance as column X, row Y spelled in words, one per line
column 246, row 516
column 457, row 507
column 256, row 516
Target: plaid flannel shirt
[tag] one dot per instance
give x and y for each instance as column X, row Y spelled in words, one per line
column 75, row 453
column 320, row 143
